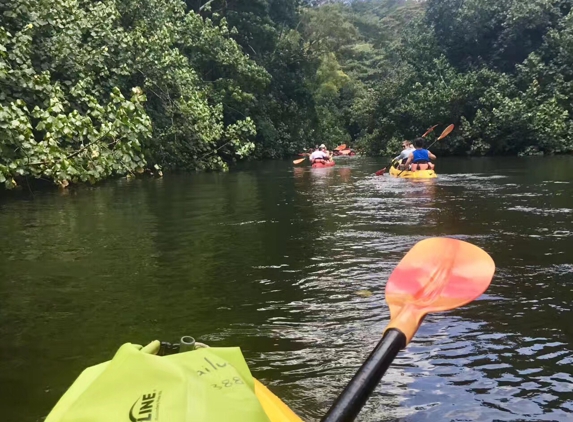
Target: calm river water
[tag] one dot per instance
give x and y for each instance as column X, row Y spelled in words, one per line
column 270, row 258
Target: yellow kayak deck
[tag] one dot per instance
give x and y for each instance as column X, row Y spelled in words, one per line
column 274, row 407
column 418, row 174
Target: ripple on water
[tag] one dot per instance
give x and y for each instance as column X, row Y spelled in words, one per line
column 541, row 211
column 279, row 276
column 472, row 364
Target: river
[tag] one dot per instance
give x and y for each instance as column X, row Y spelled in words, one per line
column 271, row 258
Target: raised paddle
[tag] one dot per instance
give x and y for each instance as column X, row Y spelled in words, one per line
column 437, row 274
column 430, row 130
column 340, row 147
column 445, row 133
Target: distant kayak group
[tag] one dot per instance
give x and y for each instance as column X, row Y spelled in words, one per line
column 414, row 162
column 319, row 156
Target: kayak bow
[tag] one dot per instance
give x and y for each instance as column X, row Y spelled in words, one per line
column 274, row 407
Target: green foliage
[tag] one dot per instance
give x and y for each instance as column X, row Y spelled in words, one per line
column 66, row 67
column 282, row 110
column 92, row 90
column 59, row 130
column 499, row 70
column 328, row 83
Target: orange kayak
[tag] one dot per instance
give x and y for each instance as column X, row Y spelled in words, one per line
column 321, row 165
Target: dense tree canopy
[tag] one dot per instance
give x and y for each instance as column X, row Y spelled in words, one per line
column 92, row 90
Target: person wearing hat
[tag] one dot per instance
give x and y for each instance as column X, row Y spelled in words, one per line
column 319, row 155
column 401, row 159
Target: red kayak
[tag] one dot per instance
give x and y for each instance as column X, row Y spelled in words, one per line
column 321, row 164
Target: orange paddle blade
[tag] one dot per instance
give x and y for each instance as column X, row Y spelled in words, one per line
column 345, row 152
column 430, row 130
column 437, row 274
column 340, row 147
column 446, row 132
column 299, row 161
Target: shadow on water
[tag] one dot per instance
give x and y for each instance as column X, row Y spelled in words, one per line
column 271, row 257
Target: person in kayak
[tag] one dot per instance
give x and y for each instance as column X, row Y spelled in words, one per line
column 320, row 155
column 420, row 157
column 403, row 157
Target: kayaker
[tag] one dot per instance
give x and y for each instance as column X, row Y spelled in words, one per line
column 403, row 157
column 320, row 155
column 326, row 152
column 420, row 156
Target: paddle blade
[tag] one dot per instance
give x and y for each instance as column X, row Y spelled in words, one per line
column 437, row 274
column 381, row 172
column 430, row 130
column 340, row 147
column 446, row 132
column 299, row 161
column 345, row 152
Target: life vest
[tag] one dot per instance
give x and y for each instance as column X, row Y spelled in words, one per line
column 421, row 155
column 422, row 166
column 317, row 156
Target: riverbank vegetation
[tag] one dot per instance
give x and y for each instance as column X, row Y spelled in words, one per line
column 91, row 90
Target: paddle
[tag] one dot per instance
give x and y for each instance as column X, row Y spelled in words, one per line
column 437, row 274
column 445, row 133
column 382, row 171
column 300, row 160
column 340, row 147
column 430, row 130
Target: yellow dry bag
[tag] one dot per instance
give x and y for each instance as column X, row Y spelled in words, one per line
column 204, row 385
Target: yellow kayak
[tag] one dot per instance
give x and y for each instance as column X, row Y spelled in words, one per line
column 274, row 407
column 418, row 174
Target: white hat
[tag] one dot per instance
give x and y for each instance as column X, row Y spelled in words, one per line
column 322, row 146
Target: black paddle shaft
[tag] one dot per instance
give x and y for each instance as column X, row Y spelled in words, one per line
column 348, row 404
